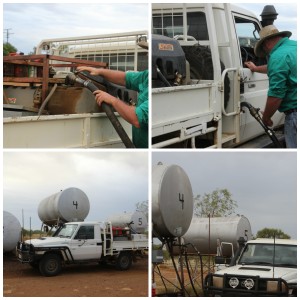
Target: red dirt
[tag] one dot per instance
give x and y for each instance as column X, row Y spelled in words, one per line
column 21, row 280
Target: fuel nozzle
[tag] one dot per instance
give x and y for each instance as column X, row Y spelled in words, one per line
column 178, row 79
column 255, row 114
column 71, row 79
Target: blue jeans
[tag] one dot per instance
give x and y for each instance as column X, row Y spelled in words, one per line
column 290, row 130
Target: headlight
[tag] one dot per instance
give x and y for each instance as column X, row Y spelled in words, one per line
column 233, row 282
column 273, row 286
column 249, row 283
column 293, row 291
column 244, row 283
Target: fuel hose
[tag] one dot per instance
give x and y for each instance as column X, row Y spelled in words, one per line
column 254, row 113
column 71, row 79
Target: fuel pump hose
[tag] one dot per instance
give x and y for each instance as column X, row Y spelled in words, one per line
column 72, row 79
column 254, row 113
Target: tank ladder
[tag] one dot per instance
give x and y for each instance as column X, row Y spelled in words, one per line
column 108, row 240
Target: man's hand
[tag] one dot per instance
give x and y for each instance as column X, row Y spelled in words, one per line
column 267, row 121
column 254, row 68
column 101, row 96
column 91, row 70
column 250, row 65
column 272, row 106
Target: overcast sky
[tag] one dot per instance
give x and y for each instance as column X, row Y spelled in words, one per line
column 264, row 184
column 29, row 23
column 32, row 22
column 114, row 182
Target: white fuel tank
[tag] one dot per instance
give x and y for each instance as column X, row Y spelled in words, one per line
column 172, row 201
column 69, row 205
column 137, row 220
column 11, row 231
column 226, row 229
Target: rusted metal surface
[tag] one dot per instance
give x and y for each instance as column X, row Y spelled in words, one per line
column 45, row 62
column 72, row 100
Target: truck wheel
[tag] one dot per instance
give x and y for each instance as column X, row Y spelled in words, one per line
column 50, row 265
column 201, row 66
column 124, row 261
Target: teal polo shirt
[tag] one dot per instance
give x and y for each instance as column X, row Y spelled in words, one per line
column 138, row 81
column 282, row 73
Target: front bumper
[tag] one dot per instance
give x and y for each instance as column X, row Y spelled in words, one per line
column 25, row 252
column 237, row 285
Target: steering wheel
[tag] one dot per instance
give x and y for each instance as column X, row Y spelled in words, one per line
column 246, row 55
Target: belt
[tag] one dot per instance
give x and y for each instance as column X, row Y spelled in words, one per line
column 287, row 112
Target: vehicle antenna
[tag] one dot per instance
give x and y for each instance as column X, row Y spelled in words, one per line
column 274, row 256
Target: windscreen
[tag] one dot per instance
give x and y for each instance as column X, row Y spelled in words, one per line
column 66, row 230
column 267, row 254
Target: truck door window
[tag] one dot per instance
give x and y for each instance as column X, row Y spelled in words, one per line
column 85, row 232
column 171, row 25
column 247, row 34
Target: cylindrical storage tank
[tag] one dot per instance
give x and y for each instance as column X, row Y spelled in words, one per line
column 172, row 201
column 137, row 220
column 69, row 205
column 224, row 229
column 11, row 231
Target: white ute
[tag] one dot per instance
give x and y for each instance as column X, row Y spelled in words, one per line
column 83, row 242
column 264, row 268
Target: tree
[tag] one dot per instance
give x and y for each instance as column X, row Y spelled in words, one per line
column 8, row 48
column 270, row 232
column 219, row 203
column 33, row 51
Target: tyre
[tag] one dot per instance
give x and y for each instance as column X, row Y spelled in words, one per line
column 201, row 66
column 50, row 265
column 124, row 261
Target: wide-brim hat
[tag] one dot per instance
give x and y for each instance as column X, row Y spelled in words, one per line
column 266, row 33
column 143, row 44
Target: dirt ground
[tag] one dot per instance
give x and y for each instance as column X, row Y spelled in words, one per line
column 166, row 281
column 21, row 280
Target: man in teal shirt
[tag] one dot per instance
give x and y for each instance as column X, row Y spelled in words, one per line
column 138, row 81
column 136, row 115
column 282, row 73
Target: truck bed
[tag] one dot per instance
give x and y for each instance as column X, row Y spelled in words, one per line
column 62, row 131
column 183, row 107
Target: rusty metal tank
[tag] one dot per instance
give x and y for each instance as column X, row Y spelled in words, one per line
column 172, row 201
column 137, row 220
column 224, row 229
column 72, row 100
column 11, row 231
column 68, row 205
